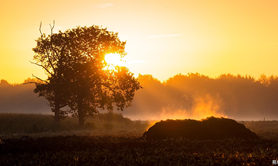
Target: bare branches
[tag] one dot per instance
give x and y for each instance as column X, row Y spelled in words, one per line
column 39, row 78
column 52, row 27
column 42, row 67
column 29, row 82
column 51, row 46
column 40, row 29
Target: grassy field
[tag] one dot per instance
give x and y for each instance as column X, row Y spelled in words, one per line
column 110, row 139
column 17, row 125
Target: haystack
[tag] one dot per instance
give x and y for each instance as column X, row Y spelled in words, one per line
column 210, row 128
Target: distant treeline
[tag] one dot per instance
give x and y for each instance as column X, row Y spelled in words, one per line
column 20, row 98
column 239, row 97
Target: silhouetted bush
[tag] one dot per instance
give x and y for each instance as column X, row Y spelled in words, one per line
column 210, row 128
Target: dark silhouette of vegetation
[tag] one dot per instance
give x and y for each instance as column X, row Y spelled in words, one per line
column 76, row 76
column 210, row 128
column 237, row 97
column 107, row 151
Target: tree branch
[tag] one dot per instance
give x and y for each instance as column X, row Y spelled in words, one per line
column 29, row 82
column 39, row 78
column 40, row 29
column 51, row 32
column 52, row 27
column 42, row 67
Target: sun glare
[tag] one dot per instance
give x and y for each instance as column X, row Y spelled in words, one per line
column 114, row 60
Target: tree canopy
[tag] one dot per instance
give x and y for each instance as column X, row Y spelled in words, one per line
column 76, row 76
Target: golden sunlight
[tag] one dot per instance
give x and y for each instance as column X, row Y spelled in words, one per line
column 115, row 59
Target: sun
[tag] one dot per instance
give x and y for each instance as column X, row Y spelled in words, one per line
column 114, row 59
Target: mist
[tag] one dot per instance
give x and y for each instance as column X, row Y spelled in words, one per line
column 180, row 97
column 20, row 98
column 197, row 96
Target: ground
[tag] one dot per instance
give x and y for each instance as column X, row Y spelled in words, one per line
column 119, row 142
column 84, row 150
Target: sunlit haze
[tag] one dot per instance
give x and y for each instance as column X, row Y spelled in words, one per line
column 179, row 36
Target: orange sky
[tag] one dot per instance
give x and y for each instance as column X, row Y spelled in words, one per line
column 163, row 37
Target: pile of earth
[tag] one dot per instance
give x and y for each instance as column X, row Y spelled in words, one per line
column 210, row 128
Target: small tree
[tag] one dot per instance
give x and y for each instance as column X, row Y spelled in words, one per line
column 74, row 63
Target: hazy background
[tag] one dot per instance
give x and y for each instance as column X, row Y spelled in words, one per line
column 182, row 96
column 164, row 37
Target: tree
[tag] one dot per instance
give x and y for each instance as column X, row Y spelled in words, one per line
column 74, row 63
column 50, row 55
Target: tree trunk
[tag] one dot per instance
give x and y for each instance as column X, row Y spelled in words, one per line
column 57, row 114
column 81, row 120
column 57, row 118
column 56, row 109
column 81, row 115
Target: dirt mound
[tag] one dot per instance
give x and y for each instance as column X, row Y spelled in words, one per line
column 210, row 128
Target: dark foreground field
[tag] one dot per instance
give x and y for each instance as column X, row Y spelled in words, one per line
column 84, row 150
column 110, row 139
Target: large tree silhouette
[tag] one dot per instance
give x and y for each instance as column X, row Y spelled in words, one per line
column 76, row 76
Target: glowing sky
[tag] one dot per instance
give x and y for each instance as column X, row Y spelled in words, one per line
column 164, row 37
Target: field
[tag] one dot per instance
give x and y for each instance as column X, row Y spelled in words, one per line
column 35, row 125
column 119, row 143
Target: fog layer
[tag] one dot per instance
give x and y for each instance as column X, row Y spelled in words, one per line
column 182, row 96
